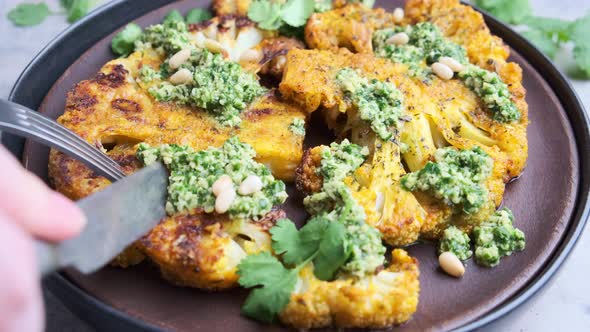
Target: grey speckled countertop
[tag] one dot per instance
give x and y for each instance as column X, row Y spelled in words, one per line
column 563, row 305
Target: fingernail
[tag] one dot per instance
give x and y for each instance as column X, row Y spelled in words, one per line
column 74, row 218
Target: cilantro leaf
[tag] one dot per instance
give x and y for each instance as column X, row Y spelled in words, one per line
column 123, row 43
column 278, row 284
column 266, row 303
column 75, row 9
column 296, row 246
column 267, row 14
column 28, row 14
column 173, row 16
column 554, row 27
column 332, row 252
column 542, row 41
column 296, row 12
column 579, row 35
column 261, row 269
column 197, row 15
column 511, row 11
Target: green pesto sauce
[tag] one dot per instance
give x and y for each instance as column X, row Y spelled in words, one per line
column 221, row 87
column 297, row 127
column 336, row 203
column 192, row 175
column 456, row 176
column 455, row 241
column 378, row 103
column 497, row 238
column 494, row 93
column 426, row 45
column 168, row 37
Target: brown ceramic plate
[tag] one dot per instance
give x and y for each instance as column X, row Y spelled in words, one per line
column 549, row 200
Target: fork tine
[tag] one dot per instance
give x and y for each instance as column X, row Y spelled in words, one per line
column 81, row 149
column 65, row 132
column 78, row 143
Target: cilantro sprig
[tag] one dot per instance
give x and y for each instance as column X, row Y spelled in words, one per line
column 272, row 15
column 319, row 241
column 548, row 34
column 29, row 14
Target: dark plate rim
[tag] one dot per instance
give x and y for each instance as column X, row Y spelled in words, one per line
column 111, row 16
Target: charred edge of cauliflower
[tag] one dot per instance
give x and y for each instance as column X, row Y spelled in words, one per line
column 377, row 301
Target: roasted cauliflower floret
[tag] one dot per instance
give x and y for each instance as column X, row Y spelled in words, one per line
column 203, row 250
column 377, row 301
column 113, row 108
column 351, row 27
column 231, row 7
column 238, row 39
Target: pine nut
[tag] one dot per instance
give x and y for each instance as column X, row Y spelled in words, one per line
column 455, row 65
column 379, row 202
column 250, row 185
column 179, row 58
column 251, row 55
column 224, row 200
column 182, row 76
column 215, row 47
column 442, row 71
column 400, row 38
column 451, row 264
column 398, row 15
column 224, row 182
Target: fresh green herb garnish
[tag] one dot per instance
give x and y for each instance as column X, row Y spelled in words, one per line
column 75, row 9
column 511, row 11
column 173, row 16
column 548, row 34
column 197, row 15
column 271, row 15
column 319, row 241
column 123, row 43
column 456, row 176
column 28, row 14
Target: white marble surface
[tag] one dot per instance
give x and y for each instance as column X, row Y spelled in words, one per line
column 563, row 305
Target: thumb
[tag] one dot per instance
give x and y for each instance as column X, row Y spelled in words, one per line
column 26, row 200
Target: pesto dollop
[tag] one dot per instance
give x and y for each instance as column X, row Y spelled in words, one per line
column 455, row 241
column 192, row 175
column 497, row 238
column 456, row 176
column 378, row 103
column 494, row 93
column 336, row 203
column 297, row 127
column 426, row 45
column 221, row 87
column 168, row 37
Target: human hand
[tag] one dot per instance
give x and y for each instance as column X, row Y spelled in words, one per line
column 28, row 210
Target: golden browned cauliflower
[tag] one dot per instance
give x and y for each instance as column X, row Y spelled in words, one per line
column 351, row 26
column 377, row 301
column 238, row 39
column 231, row 7
column 203, row 250
column 439, row 113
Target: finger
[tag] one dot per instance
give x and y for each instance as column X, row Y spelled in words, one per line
column 21, row 306
column 30, row 203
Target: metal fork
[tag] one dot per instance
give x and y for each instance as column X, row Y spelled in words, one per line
column 19, row 120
